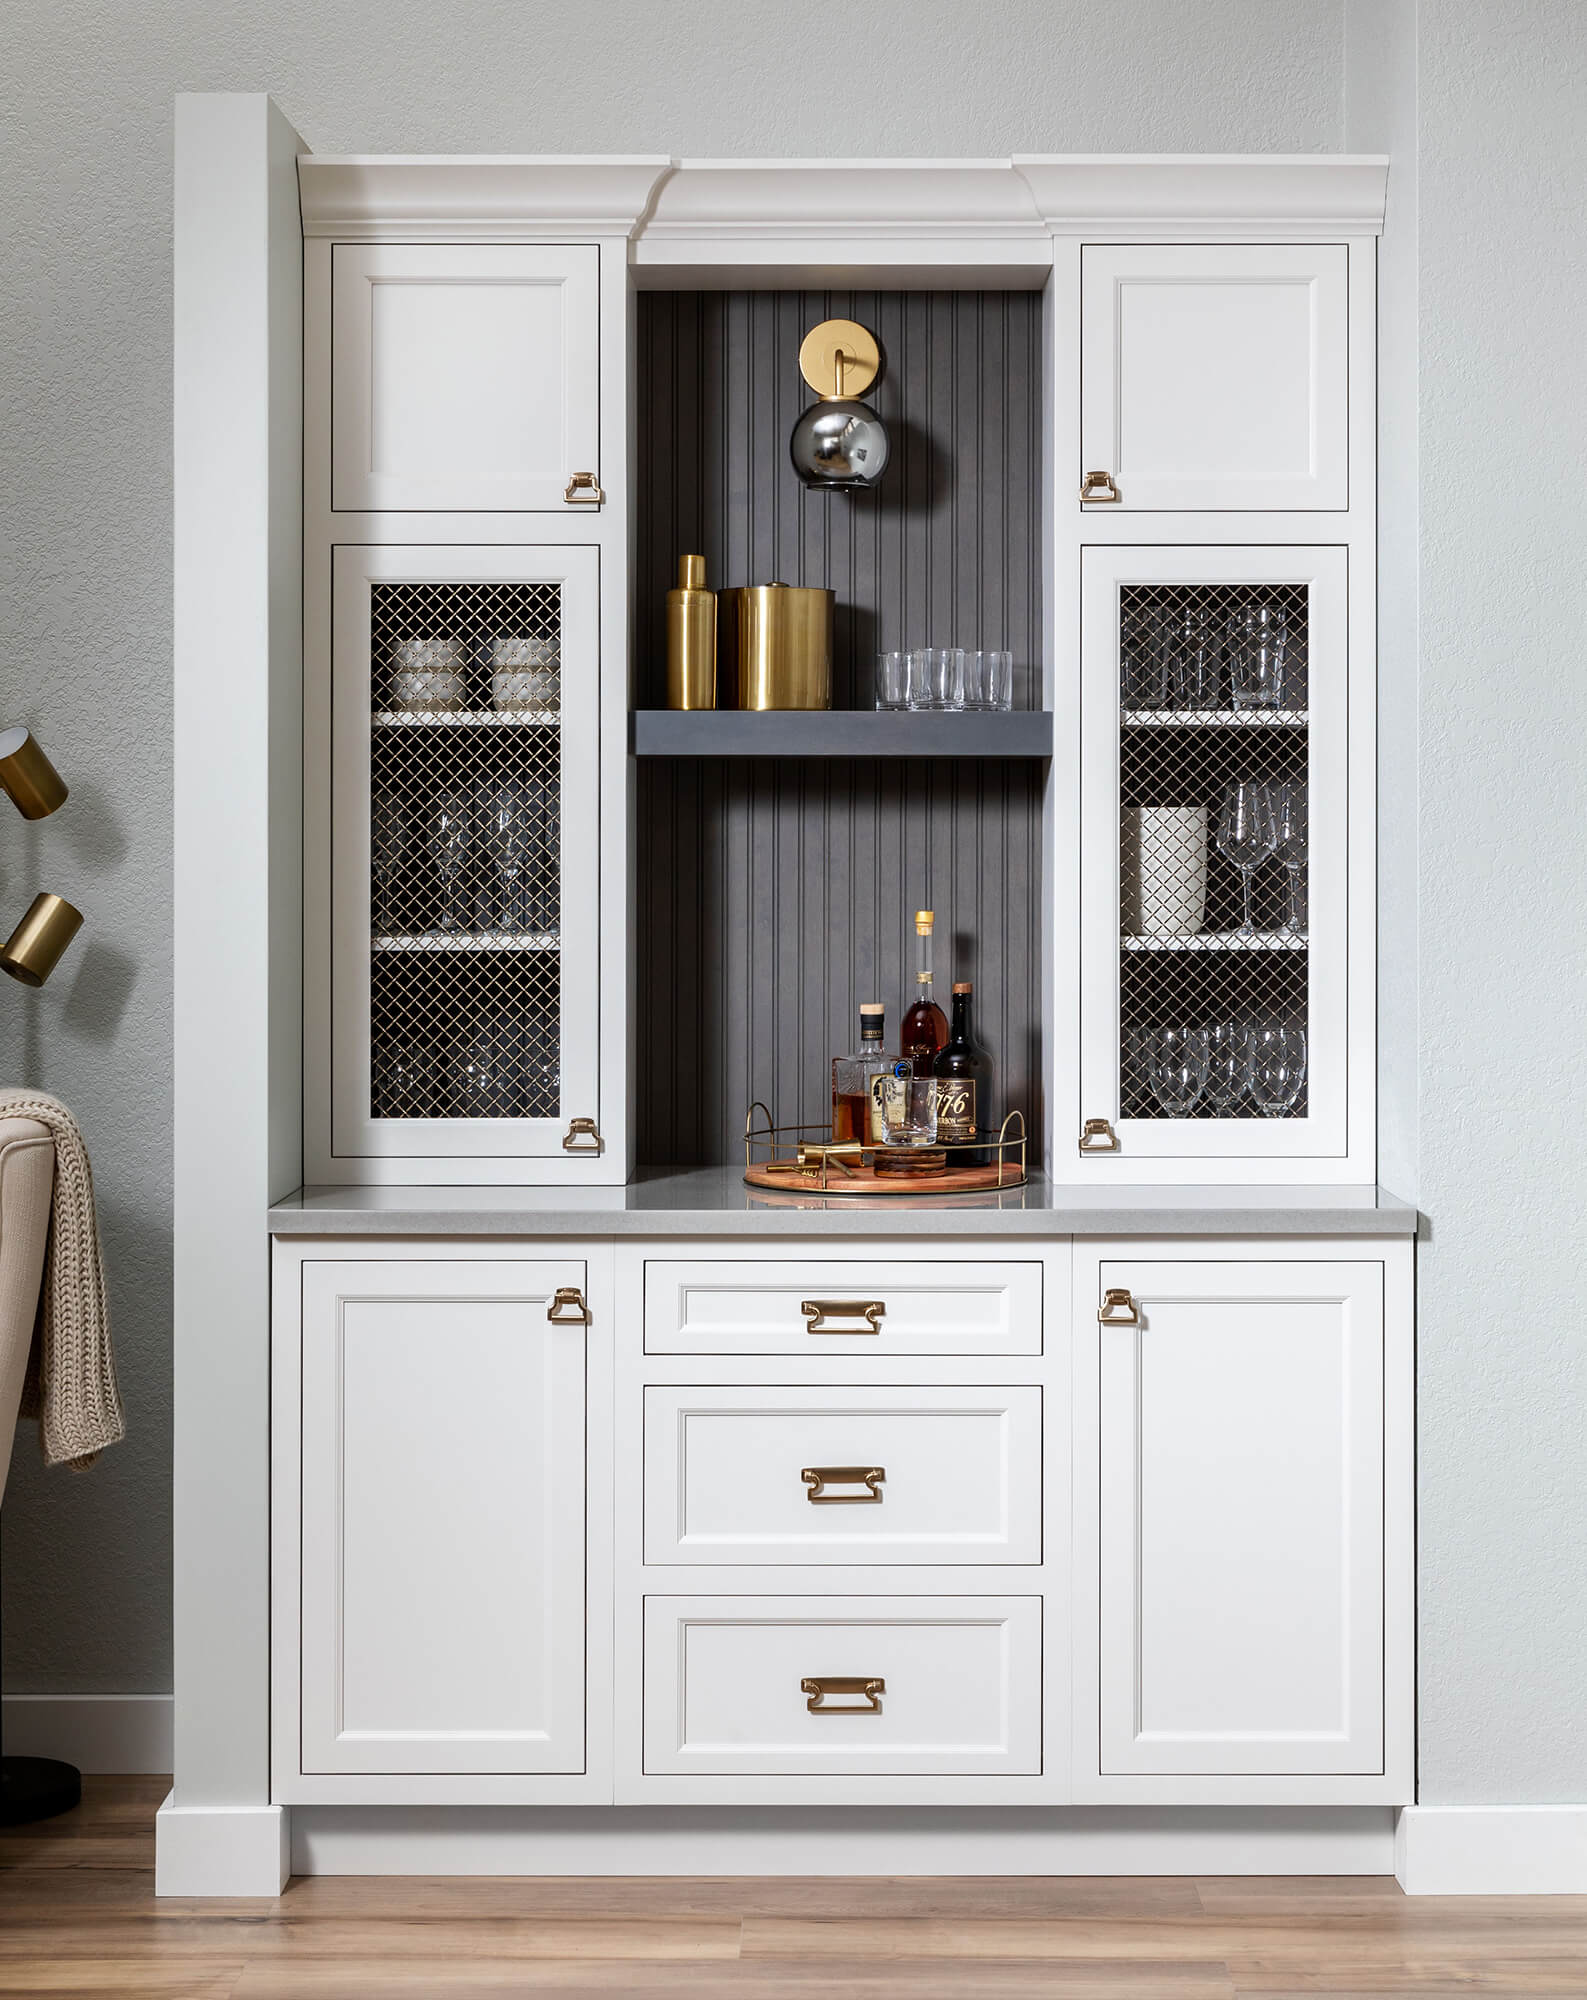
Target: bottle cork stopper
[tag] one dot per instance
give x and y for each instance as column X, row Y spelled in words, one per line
column 691, row 572
column 872, row 1007
column 924, row 919
column 963, row 986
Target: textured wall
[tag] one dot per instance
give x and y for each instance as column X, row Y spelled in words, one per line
column 1503, row 1365
column 85, row 191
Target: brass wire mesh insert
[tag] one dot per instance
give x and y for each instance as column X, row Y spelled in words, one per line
column 465, row 850
column 1213, row 794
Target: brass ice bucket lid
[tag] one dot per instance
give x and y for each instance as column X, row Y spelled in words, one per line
column 774, row 646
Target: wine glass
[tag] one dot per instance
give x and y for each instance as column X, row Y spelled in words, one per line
column 510, row 842
column 1176, row 1068
column 1228, row 1065
column 1276, row 1066
column 1247, row 836
column 449, row 840
column 390, row 834
column 1291, row 844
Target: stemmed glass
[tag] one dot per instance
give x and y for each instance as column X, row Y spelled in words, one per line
column 449, row 840
column 389, row 838
column 1176, row 1068
column 1291, row 844
column 1276, row 1067
column 1228, row 1065
column 1247, row 836
column 510, row 842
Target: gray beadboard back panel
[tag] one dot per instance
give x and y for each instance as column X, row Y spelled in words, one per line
column 946, row 551
column 777, row 894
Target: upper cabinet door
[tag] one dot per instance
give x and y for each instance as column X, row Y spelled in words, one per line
column 463, row 377
column 1215, row 378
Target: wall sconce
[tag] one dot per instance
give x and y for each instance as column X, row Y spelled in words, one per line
column 36, row 789
column 839, row 441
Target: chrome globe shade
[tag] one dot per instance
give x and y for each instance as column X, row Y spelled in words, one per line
column 839, row 442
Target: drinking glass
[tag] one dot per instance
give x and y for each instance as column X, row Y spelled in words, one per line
column 1276, row 1066
column 1247, row 836
column 511, row 842
column 1228, row 1065
column 1140, row 657
column 485, row 1073
column 1176, row 1068
column 406, row 1085
column 1258, row 634
column 909, row 1107
column 921, row 671
column 947, row 684
column 997, row 678
column 1187, row 657
column 1291, row 846
column 449, row 839
column 892, row 680
column 390, row 835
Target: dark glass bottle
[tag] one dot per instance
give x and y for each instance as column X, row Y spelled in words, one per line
column 964, row 1073
column 925, row 1028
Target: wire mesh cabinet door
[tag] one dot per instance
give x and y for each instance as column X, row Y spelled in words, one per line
column 464, row 876
column 1215, row 1029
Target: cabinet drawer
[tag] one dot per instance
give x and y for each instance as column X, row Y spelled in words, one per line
column 869, row 1308
column 790, row 1475
column 955, row 1685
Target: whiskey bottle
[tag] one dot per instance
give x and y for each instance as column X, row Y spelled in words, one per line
column 925, row 1028
column 854, row 1114
column 963, row 1075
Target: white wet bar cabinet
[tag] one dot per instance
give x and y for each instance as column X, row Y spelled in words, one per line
column 547, row 1499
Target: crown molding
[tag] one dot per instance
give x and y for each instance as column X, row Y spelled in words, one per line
column 1169, row 195
column 500, row 199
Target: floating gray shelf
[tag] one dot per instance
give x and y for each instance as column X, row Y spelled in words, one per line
column 732, row 732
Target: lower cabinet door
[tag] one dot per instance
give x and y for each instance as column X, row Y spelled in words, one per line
column 823, row 1686
column 1241, row 1494
column 442, row 1519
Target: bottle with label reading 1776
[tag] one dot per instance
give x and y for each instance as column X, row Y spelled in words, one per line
column 963, row 1075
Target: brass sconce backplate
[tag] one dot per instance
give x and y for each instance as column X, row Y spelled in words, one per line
column 839, row 358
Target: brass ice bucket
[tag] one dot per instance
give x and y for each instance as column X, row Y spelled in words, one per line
column 774, row 647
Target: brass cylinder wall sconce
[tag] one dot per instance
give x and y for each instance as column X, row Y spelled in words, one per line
column 34, row 948
column 31, row 781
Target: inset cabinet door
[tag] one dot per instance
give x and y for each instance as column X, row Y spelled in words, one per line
column 1215, row 1032
column 464, row 826
column 1240, row 1564
column 442, row 1484
column 1215, row 377
column 463, row 376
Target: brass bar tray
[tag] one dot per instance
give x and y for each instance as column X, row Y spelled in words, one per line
column 803, row 1158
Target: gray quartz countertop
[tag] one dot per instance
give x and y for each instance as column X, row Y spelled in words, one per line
column 713, row 1201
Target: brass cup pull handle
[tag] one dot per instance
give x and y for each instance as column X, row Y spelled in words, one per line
column 1118, row 1308
column 568, row 1307
column 1098, row 488
column 584, row 490
column 582, row 1136
column 1098, row 1136
column 819, row 1686
column 817, row 1310
column 819, row 1477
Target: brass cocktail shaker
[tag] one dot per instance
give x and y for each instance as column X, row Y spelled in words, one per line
column 691, row 638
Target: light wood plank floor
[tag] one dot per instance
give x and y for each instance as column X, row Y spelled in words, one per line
column 78, row 1915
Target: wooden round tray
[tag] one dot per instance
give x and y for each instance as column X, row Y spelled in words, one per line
column 866, row 1181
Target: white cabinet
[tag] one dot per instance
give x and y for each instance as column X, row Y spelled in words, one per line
column 1225, row 982
column 1236, row 1532
column 1215, row 377
column 440, row 1525
column 453, row 998
column 463, row 376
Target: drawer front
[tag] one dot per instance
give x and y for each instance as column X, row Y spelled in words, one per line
column 789, row 1475
column 902, row 1686
column 831, row 1308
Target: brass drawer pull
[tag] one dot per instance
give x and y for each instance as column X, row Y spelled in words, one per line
column 584, row 490
column 819, row 1686
column 1098, row 488
column 1098, row 1136
column 816, row 1310
column 1118, row 1308
column 582, row 1136
column 819, row 1477
column 568, row 1308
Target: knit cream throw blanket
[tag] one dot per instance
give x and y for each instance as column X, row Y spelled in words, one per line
column 71, row 1380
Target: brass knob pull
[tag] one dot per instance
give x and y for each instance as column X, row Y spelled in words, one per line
column 1098, row 1136
column 585, row 490
column 1098, row 488
column 568, row 1307
column 819, row 1477
column 1118, row 1308
column 582, row 1136
column 816, row 1310
column 819, row 1686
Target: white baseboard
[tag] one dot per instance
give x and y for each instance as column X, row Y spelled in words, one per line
column 1492, row 1850
column 220, row 1850
column 123, row 1734
column 808, row 1840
